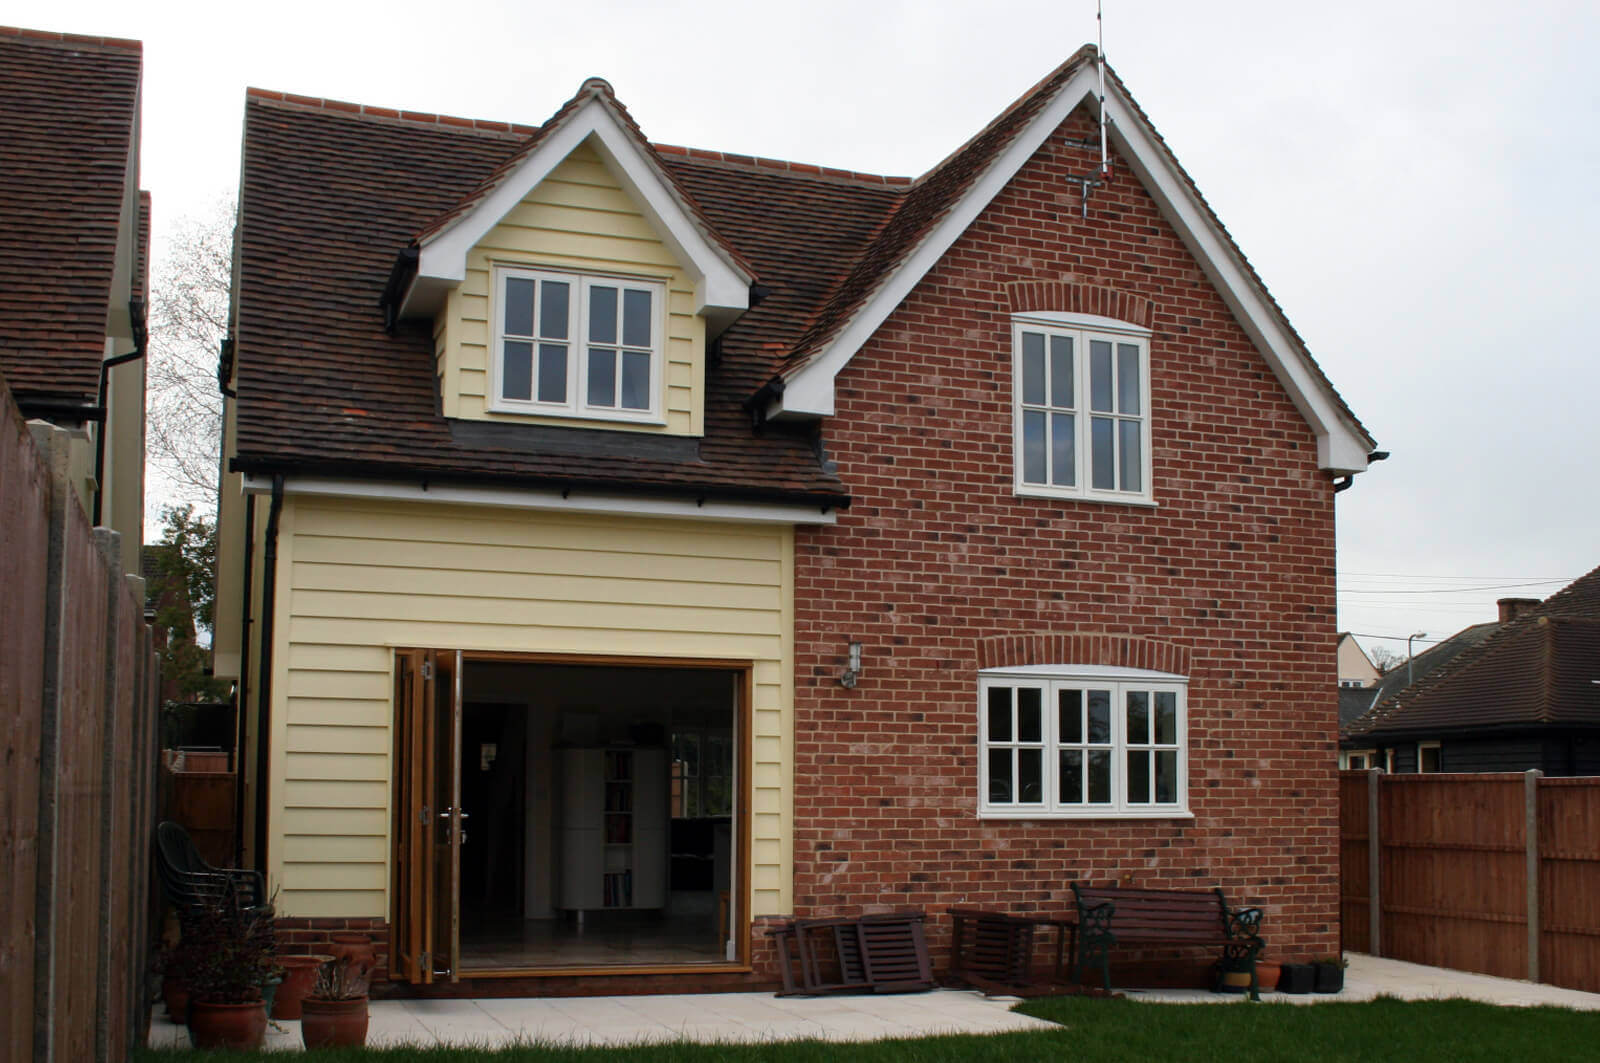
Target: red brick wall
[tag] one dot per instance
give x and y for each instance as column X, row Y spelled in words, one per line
column 939, row 569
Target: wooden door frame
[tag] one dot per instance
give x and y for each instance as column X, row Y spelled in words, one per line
column 743, row 869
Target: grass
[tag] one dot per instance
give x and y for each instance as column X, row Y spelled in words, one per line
column 1116, row 1031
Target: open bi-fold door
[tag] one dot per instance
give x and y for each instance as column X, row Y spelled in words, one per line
column 426, row 919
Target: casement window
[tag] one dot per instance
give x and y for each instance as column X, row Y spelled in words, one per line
column 1428, row 757
column 1358, row 759
column 567, row 344
column 1081, row 741
column 1081, row 407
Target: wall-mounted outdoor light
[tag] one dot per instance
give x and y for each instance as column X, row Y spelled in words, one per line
column 852, row 670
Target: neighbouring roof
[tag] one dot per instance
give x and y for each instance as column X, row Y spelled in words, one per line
column 332, row 192
column 67, row 115
column 1537, row 670
column 1353, row 701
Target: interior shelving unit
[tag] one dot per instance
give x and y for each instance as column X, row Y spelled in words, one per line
column 613, row 820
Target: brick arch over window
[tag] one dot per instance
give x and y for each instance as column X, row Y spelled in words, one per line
column 1068, row 297
column 1117, row 651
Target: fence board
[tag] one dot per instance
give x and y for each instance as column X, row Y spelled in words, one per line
column 24, row 543
column 1355, row 905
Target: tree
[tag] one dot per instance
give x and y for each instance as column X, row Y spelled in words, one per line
column 184, row 590
column 1385, row 659
column 187, row 320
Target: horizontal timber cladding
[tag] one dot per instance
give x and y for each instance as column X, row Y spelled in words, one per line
column 358, row 579
column 939, row 569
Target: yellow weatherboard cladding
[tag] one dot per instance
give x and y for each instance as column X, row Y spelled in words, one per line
column 579, row 219
column 357, row 579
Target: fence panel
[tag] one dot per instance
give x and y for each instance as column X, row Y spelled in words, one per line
column 1453, row 878
column 1569, row 882
column 1355, row 902
column 24, row 543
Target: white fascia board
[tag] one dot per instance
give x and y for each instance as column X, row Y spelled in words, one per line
column 810, row 391
column 719, row 282
column 1341, row 447
column 574, row 501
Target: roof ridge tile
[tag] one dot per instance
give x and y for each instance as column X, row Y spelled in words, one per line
column 75, row 39
column 367, row 110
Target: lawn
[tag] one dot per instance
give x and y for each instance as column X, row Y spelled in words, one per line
column 1123, row 1031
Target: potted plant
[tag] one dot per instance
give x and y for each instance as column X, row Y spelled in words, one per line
column 1329, row 977
column 224, row 958
column 299, row 975
column 335, row 1012
column 1296, row 978
column 1267, row 974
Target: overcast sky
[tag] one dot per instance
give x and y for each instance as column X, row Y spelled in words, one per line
column 1417, row 183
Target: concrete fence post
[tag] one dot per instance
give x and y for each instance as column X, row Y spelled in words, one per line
column 1374, row 865
column 1530, row 809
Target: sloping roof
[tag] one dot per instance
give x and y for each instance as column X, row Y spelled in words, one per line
column 1353, row 702
column 333, row 191
column 67, row 109
column 1536, row 670
column 330, row 191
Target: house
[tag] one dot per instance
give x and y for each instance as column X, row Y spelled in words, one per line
column 1356, row 669
column 625, row 546
column 1514, row 695
column 74, row 238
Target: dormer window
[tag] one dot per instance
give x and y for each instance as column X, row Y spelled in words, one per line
column 575, row 345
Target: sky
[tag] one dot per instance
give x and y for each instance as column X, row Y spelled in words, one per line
column 1415, row 182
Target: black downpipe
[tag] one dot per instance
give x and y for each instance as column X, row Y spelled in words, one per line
column 269, row 586
column 136, row 312
column 241, row 696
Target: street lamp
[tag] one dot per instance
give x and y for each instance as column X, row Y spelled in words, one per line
column 1409, row 638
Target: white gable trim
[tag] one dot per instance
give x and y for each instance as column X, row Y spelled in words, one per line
column 720, row 283
column 1341, row 446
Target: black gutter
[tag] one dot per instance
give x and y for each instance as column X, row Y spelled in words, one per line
column 59, row 410
column 140, row 336
column 242, row 694
column 269, row 586
column 698, row 493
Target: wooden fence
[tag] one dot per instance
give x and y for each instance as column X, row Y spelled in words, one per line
column 1492, row 873
column 78, row 707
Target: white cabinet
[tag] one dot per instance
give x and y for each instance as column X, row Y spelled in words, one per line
column 613, row 824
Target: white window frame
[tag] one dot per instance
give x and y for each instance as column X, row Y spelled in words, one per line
column 1051, row 679
column 1435, row 747
column 1083, row 329
column 576, row 404
column 1346, row 755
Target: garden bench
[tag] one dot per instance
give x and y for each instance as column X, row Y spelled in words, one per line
column 1109, row 916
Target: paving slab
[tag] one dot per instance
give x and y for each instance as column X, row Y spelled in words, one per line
column 761, row 1017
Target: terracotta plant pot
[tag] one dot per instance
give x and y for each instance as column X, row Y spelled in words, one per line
column 299, row 975
column 1267, row 975
column 227, row 1025
column 176, row 996
column 331, row 1023
column 356, row 946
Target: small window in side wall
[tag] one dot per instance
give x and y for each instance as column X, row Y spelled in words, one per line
column 1359, row 759
column 574, row 345
column 1428, row 757
column 1081, row 742
column 1081, row 408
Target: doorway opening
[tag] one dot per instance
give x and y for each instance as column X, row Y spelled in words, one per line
column 593, row 819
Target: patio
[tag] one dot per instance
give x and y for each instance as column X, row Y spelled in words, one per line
column 763, row 1017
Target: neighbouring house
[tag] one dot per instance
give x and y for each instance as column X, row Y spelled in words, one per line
column 625, row 546
column 1517, row 694
column 74, row 239
column 1356, row 669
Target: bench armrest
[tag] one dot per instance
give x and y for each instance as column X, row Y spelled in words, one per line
column 1243, row 923
column 1094, row 921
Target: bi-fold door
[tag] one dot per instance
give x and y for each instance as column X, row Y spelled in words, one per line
column 426, row 922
